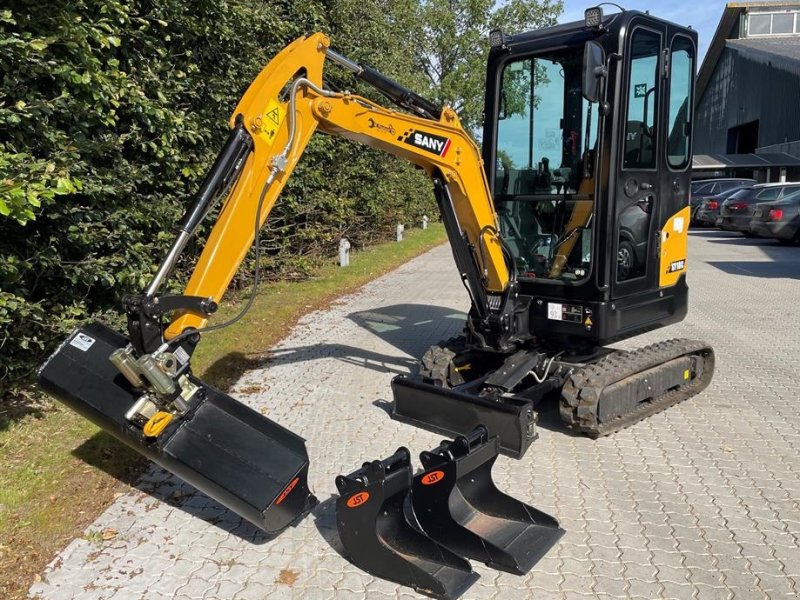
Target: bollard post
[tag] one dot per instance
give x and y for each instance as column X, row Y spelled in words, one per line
column 424, row 221
column 344, row 253
column 400, row 229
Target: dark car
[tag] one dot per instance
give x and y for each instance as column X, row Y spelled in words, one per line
column 707, row 188
column 707, row 212
column 779, row 220
column 736, row 211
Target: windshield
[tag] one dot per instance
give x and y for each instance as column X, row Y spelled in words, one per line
column 543, row 190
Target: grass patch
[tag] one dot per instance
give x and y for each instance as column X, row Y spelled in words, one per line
column 58, row 471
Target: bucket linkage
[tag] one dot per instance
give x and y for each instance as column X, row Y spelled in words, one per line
column 414, row 530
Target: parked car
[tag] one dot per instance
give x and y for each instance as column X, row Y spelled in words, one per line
column 707, row 213
column 779, row 219
column 703, row 189
column 736, row 211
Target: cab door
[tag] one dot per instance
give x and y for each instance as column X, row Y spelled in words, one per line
column 638, row 193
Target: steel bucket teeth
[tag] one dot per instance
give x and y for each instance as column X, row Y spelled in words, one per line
column 457, row 504
column 378, row 538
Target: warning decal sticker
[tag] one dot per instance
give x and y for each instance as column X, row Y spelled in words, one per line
column 273, row 117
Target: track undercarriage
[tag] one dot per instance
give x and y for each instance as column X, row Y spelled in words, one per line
column 599, row 393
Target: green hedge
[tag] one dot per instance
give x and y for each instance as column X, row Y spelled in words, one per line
column 110, row 113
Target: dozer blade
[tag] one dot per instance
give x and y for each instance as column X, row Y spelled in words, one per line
column 378, row 538
column 453, row 412
column 241, row 459
column 625, row 387
column 457, row 504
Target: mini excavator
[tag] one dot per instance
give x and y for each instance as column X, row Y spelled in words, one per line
column 568, row 229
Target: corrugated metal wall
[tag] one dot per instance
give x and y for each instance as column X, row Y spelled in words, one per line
column 743, row 89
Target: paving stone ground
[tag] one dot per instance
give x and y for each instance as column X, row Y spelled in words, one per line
column 700, row 501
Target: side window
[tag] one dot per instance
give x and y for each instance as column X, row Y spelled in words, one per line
column 680, row 100
column 789, row 190
column 640, row 131
column 703, row 189
column 769, row 193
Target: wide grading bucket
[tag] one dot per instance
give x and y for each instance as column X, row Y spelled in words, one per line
column 235, row 455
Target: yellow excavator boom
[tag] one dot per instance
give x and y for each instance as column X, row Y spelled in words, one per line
column 281, row 110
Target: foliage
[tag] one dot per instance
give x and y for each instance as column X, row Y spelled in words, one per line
column 110, row 113
column 452, row 45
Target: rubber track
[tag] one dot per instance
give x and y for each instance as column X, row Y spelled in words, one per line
column 583, row 391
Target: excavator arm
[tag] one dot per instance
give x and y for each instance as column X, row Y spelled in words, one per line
column 158, row 406
column 270, row 129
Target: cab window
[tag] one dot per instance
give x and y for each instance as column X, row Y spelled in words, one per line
column 680, row 98
column 640, row 132
column 546, row 135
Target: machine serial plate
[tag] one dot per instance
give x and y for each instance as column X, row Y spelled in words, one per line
column 565, row 312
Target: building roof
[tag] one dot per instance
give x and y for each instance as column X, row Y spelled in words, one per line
column 769, row 47
column 727, row 32
column 713, row 162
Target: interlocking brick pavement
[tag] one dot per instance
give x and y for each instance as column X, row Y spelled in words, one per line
column 699, row 501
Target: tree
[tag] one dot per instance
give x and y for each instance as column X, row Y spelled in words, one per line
column 452, row 44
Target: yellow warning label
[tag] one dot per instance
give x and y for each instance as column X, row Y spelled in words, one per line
column 686, row 374
column 273, row 117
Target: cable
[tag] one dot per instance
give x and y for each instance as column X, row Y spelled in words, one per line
column 611, row 4
column 256, row 278
column 278, row 163
column 546, row 370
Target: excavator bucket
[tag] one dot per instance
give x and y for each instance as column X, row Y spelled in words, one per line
column 457, row 504
column 238, row 457
column 378, row 537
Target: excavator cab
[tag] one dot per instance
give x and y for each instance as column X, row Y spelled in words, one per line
column 589, row 133
column 587, row 148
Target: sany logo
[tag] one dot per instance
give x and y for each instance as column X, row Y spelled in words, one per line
column 434, row 144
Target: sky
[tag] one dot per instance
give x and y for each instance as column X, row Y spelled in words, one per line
column 701, row 15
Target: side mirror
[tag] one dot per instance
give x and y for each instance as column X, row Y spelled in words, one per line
column 594, row 70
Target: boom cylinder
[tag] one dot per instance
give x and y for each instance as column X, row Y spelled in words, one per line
column 394, row 91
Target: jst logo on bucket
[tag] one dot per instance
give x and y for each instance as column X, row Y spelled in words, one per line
column 287, row 490
column 357, row 500
column 432, row 477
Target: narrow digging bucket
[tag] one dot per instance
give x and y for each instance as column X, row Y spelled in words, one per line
column 377, row 537
column 457, row 504
column 238, row 457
